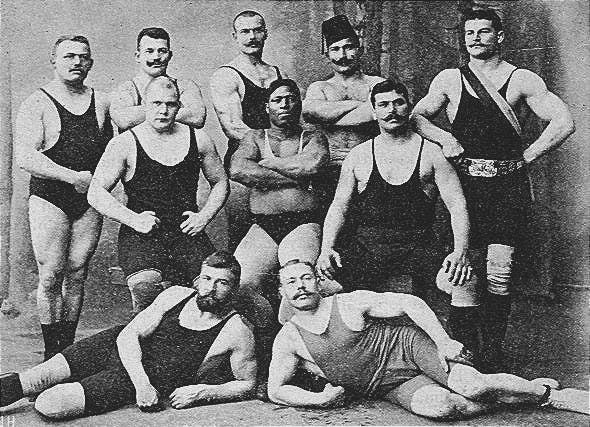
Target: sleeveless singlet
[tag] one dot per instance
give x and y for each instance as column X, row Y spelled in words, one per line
column 268, row 153
column 355, row 359
column 404, row 207
column 166, row 190
column 482, row 133
column 172, row 354
column 254, row 113
column 79, row 147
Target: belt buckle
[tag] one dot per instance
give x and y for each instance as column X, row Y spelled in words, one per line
column 483, row 167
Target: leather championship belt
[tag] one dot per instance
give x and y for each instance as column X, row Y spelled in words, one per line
column 488, row 168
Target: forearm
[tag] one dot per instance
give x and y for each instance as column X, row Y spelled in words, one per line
column 319, row 111
column 333, row 223
column 41, row 166
column 192, row 117
column 217, row 197
column 425, row 319
column 552, row 137
column 460, row 227
column 234, row 129
column 250, row 174
column 360, row 115
column 128, row 117
column 432, row 132
column 104, row 202
column 130, row 355
column 291, row 395
column 295, row 167
column 232, row 390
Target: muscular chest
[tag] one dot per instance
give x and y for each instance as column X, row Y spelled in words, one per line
column 355, row 91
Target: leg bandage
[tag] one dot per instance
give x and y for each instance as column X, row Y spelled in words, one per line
column 466, row 295
column 499, row 269
column 144, row 286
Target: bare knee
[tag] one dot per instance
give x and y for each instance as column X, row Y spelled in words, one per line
column 51, row 274
column 433, row 401
column 468, row 382
column 61, row 401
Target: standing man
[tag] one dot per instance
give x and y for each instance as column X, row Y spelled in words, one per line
column 153, row 55
column 239, row 91
column 165, row 353
column 344, row 339
column 387, row 190
column 62, row 130
column 162, row 236
column 485, row 143
column 340, row 105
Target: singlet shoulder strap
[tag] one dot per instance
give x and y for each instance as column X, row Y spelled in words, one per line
column 139, row 149
column 278, row 72
column 55, row 101
column 193, row 144
column 417, row 167
column 507, row 82
column 137, row 93
column 61, row 107
column 267, row 148
column 373, row 153
column 242, row 76
column 175, row 310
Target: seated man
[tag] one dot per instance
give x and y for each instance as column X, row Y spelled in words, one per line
column 343, row 339
column 162, row 234
column 278, row 163
column 164, row 352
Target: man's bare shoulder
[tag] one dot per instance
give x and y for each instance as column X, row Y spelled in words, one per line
column 124, row 87
column 361, row 152
column 102, row 99
column 446, row 78
column 226, row 74
column 35, row 103
column 122, row 142
column 373, row 80
column 286, row 339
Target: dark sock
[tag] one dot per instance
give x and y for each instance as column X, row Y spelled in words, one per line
column 497, row 312
column 11, row 389
column 464, row 325
column 51, row 337
column 68, row 333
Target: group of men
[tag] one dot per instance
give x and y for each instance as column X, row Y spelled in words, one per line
column 345, row 205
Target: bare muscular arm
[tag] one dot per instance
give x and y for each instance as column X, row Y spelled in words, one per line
column 244, row 167
column 282, row 368
column 123, row 110
column 431, row 105
column 307, row 163
column 317, row 109
column 192, row 112
column 226, row 101
column 547, row 106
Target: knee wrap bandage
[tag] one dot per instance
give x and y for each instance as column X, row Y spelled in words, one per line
column 499, row 269
column 461, row 296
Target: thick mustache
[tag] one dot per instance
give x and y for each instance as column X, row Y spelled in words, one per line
column 394, row 117
column 298, row 294
column 156, row 62
column 343, row 62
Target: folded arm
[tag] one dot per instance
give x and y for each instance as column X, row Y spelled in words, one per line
column 314, row 155
column 244, row 168
column 192, row 112
column 215, row 175
column 124, row 110
column 317, row 109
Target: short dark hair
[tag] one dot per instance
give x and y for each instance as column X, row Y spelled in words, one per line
column 224, row 259
column 389, row 86
column 283, row 82
column 69, row 37
column 488, row 14
column 247, row 14
column 153, row 33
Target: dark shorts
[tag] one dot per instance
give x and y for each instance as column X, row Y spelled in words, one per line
column 372, row 256
column 60, row 194
column 94, row 363
column 499, row 208
column 280, row 225
column 177, row 255
column 414, row 366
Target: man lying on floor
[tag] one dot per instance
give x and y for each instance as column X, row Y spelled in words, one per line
column 344, row 339
column 164, row 352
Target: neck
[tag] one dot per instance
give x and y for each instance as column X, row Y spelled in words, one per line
column 144, row 78
column 159, row 133
column 310, row 315
column 76, row 88
column 250, row 58
column 486, row 64
column 357, row 75
column 284, row 132
column 398, row 136
column 209, row 316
